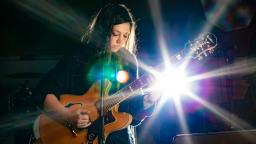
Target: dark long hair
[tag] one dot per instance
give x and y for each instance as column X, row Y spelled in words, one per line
column 99, row 30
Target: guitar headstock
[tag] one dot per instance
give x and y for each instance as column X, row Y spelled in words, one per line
column 203, row 46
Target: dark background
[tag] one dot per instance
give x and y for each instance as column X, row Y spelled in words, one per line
column 35, row 34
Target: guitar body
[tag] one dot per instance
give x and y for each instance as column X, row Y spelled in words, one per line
column 54, row 132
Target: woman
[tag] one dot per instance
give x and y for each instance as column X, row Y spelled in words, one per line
column 112, row 29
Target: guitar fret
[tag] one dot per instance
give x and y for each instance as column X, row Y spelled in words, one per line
column 141, row 91
column 130, row 88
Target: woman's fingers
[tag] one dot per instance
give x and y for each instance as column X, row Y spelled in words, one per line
column 83, row 125
column 83, row 120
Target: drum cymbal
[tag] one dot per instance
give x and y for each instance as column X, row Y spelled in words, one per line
column 25, row 75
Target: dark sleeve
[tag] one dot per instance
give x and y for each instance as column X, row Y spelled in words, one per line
column 55, row 82
column 135, row 107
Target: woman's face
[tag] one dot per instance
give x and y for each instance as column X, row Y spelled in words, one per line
column 119, row 36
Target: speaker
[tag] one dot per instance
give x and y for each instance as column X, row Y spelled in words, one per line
column 227, row 137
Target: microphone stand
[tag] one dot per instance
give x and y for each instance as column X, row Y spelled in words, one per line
column 101, row 137
column 103, row 59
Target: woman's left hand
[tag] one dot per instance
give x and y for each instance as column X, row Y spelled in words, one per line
column 150, row 100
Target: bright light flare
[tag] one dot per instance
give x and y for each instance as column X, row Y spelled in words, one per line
column 63, row 18
column 172, row 83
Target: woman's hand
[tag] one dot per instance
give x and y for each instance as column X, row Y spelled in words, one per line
column 150, row 100
column 80, row 117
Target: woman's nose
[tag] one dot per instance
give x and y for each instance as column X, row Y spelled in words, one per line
column 119, row 40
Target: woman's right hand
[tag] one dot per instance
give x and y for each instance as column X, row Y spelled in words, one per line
column 79, row 117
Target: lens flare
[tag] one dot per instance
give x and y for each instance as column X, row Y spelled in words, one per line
column 122, row 76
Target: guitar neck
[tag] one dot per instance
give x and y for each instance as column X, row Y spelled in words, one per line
column 133, row 89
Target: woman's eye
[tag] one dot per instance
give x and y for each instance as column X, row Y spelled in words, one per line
column 126, row 36
column 114, row 34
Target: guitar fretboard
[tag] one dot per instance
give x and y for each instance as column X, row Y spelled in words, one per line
column 133, row 89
